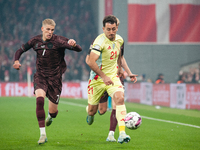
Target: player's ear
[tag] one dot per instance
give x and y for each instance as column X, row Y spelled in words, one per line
column 42, row 28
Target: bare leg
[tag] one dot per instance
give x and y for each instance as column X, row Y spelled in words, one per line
column 102, row 108
column 92, row 109
column 53, row 111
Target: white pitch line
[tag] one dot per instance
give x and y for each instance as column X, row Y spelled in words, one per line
column 168, row 121
column 73, row 104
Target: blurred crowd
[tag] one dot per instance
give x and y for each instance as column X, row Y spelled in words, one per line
column 22, row 19
column 190, row 76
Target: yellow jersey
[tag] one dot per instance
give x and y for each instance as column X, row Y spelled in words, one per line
column 108, row 52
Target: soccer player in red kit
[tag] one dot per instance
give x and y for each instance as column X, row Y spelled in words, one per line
column 50, row 65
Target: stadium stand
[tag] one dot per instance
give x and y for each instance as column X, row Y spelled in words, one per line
column 21, row 21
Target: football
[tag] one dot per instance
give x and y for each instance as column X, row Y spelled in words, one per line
column 133, row 120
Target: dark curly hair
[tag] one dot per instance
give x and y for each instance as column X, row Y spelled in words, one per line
column 109, row 19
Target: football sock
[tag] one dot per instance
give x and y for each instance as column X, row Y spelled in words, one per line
column 42, row 131
column 111, row 133
column 109, row 102
column 113, row 120
column 53, row 115
column 40, row 113
column 120, row 115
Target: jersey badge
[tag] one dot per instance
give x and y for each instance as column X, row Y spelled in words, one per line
column 97, row 47
column 50, row 45
column 109, row 47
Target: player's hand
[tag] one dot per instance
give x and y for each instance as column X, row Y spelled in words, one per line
column 133, row 77
column 16, row 65
column 72, row 42
column 107, row 80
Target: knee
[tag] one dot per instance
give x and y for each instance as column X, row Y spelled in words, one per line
column 118, row 98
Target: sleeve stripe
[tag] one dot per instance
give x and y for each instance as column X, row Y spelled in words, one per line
column 96, row 49
column 22, row 48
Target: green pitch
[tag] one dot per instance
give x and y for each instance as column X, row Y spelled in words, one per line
column 19, row 128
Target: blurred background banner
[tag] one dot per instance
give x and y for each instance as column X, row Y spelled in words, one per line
column 164, row 21
column 108, row 7
column 182, row 96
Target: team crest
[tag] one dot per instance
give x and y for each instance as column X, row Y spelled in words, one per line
column 50, row 45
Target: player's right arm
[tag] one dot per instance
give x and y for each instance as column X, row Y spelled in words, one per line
column 133, row 77
column 18, row 54
column 16, row 65
column 91, row 62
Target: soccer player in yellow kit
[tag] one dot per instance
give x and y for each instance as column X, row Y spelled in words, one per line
column 103, row 77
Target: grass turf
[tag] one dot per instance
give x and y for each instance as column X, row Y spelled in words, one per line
column 19, row 128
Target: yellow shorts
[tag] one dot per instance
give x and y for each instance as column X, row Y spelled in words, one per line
column 96, row 88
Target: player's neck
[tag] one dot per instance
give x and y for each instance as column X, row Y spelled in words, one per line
column 44, row 39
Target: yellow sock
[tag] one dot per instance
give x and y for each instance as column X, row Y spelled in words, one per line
column 120, row 115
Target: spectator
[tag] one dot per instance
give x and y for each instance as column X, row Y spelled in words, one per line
column 195, row 77
column 160, row 79
column 181, row 79
column 13, row 32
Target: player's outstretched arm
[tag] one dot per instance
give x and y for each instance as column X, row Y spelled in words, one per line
column 133, row 77
column 18, row 53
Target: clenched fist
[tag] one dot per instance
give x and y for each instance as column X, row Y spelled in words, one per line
column 16, row 65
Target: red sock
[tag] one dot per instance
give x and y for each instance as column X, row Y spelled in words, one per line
column 113, row 120
column 40, row 113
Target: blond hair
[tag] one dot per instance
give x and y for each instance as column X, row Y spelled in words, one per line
column 48, row 22
column 118, row 22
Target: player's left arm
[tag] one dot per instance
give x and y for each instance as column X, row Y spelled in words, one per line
column 69, row 44
column 87, row 57
column 74, row 46
column 133, row 77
